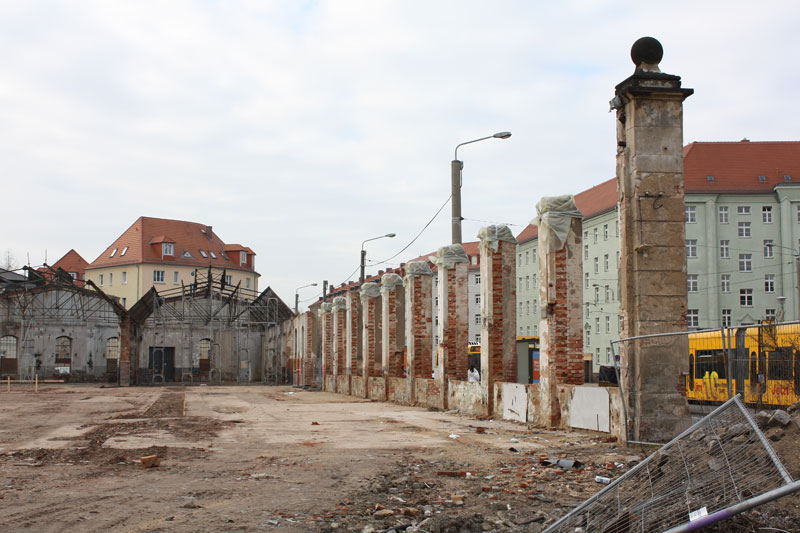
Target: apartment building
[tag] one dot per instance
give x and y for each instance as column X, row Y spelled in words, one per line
column 167, row 254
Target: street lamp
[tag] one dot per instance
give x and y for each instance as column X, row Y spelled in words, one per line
column 297, row 295
column 455, row 183
column 797, row 269
column 364, row 253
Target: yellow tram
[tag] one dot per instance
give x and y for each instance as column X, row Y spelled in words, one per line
column 761, row 362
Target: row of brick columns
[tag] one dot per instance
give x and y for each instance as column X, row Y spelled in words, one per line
column 377, row 323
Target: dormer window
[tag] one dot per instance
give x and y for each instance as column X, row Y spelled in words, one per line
column 243, row 258
column 167, row 248
column 203, row 253
column 124, row 251
column 212, row 254
column 113, row 253
column 187, row 254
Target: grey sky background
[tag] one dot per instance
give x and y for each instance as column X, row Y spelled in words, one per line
column 300, row 129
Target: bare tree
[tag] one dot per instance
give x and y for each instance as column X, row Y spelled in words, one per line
column 8, row 261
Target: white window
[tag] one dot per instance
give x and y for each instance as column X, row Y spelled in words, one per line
column 766, row 214
column 597, row 324
column 691, row 247
column 608, row 324
column 726, row 318
column 73, row 275
column 596, row 294
column 113, row 253
column 478, row 299
column 110, row 278
column 723, row 214
column 520, row 283
column 478, row 320
column 8, row 347
column 746, row 297
column 124, row 277
column 243, row 258
column 617, row 225
column 478, row 337
column 203, row 253
column 520, row 309
column 436, row 301
column 586, row 280
column 586, row 251
column 770, row 314
column 743, row 210
column 609, row 296
column 798, row 214
column 693, row 318
column 597, row 354
column 608, row 354
column 187, row 254
column 691, row 283
column 769, row 249
column 228, row 279
column 595, row 235
column 167, row 248
column 175, row 277
column 101, row 280
column 605, row 232
column 247, row 283
column 596, row 265
column 477, row 279
column 587, row 309
column 724, row 249
column 691, row 214
column 527, row 258
column 519, row 259
column 474, row 259
column 725, row 280
column 744, row 229
column 528, row 330
column 124, row 302
column 745, row 263
column 769, row 282
column 158, row 276
column 527, row 307
column 124, row 251
column 605, row 262
column 527, row 282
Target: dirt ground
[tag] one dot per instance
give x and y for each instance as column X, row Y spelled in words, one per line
column 261, row 458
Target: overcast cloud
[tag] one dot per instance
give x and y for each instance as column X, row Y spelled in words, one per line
column 300, row 129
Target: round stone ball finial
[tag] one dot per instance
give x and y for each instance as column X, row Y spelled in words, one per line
column 646, row 50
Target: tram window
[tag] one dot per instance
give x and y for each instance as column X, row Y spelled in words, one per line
column 691, row 371
column 780, row 363
column 710, row 361
column 753, row 369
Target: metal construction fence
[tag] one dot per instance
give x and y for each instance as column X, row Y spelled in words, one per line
column 720, row 466
column 760, row 363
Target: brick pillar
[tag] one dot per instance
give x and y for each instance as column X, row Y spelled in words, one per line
column 353, row 322
column 309, row 368
column 125, row 336
column 652, row 274
column 452, row 358
column 419, row 322
column 393, row 322
column 370, row 311
column 561, row 294
column 498, row 312
column 339, row 344
column 327, row 341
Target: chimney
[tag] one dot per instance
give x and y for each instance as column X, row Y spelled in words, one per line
column 209, row 233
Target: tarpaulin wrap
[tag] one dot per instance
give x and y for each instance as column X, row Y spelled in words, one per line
column 417, row 268
column 370, row 290
column 555, row 217
column 389, row 282
column 339, row 303
column 492, row 235
column 448, row 256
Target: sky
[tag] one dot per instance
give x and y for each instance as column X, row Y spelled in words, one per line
column 302, row 128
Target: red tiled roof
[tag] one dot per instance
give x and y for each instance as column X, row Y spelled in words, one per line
column 71, row 262
column 736, row 166
column 141, row 243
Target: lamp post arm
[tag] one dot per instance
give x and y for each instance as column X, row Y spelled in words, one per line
column 470, row 142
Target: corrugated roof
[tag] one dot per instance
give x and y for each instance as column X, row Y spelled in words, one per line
column 190, row 238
